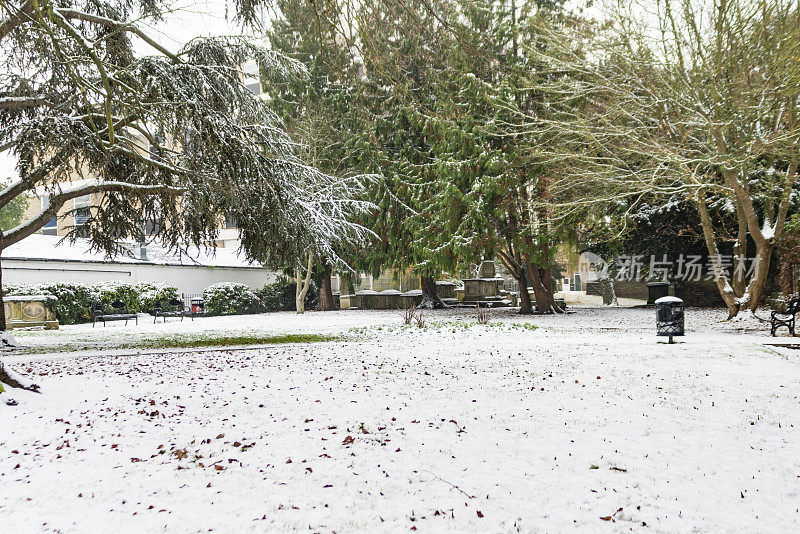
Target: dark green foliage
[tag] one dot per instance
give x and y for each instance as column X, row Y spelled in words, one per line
column 155, row 294
column 73, row 302
column 280, row 295
column 229, row 298
column 111, row 292
column 11, row 214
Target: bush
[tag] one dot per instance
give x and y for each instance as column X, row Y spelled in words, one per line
column 153, row 295
column 279, row 295
column 228, row 298
column 113, row 291
column 73, row 302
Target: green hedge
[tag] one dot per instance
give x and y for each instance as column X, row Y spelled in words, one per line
column 230, row 298
column 73, row 303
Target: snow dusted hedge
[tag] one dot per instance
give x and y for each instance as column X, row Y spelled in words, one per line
column 155, row 294
column 73, row 303
column 229, row 298
column 124, row 292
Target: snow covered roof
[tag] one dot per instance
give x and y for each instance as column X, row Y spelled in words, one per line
column 51, row 248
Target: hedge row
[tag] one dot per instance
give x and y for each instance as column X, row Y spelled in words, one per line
column 72, row 303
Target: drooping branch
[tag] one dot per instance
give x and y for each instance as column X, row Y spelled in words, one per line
column 23, row 14
column 57, row 201
column 119, row 26
column 22, row 102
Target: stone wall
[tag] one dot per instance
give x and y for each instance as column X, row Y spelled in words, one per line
column 703, row 294
column 624, row 290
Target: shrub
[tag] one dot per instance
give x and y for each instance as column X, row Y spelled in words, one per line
column 73, row 302
column 153, row 295
column 229, row 298
column 115, row 290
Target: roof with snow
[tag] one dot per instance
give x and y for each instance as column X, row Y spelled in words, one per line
column 39, row 247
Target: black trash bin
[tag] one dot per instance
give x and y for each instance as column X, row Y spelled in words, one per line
column 669, row 317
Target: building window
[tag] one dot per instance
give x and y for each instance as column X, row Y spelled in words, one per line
column 230, row 221
column 152, row 227
column 83, row 214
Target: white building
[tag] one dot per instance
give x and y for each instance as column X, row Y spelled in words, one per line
column 41, row 258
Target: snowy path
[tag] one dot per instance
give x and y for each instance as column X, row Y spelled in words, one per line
column 486, row 429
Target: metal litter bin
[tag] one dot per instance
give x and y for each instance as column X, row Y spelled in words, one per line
column 669, row 317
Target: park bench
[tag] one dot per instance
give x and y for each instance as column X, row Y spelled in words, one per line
column 785, row 318
column 119, row 312
column 173, row 308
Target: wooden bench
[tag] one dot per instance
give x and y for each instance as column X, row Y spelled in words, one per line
column 119, row 313
column 785, row 318
column 173, row 308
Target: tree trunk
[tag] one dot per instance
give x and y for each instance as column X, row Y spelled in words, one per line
column 738, row 279
column 9, row 378
column 301, row 287
column 547, row 281
column 525, row 304
column 430, row 295
column 2, row 304
column 725, row 289
column 539, row 291
column 542, row 288
column 326, row 302
column 6, row 376
column 759, row 278
column 513, row 264
column 609, row 292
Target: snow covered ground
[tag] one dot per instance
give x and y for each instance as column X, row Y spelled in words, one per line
column 585, row 423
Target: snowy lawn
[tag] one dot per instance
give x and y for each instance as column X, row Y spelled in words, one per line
column 584, row 422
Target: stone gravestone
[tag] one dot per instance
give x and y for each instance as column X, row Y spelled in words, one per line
column 487, row 269
column 24, row 311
